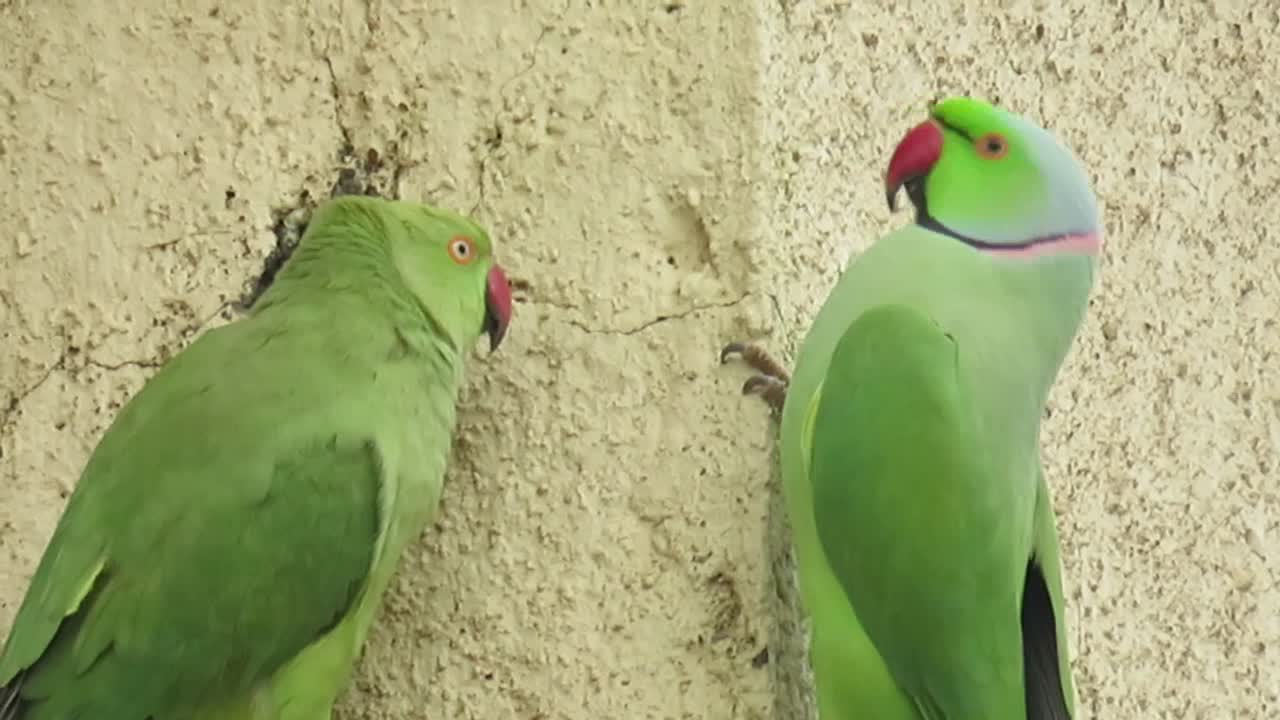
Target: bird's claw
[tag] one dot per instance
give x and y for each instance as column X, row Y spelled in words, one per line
column 772, row 381
column 756, row 358
column 733, row 348
column 759, row 384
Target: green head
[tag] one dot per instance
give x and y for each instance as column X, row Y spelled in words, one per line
column 997, row 182
column 445, row 260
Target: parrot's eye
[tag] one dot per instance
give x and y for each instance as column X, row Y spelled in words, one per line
column 462, row 250
column 992, row 146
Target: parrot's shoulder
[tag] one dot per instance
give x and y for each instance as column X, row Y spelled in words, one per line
column 846, row 351
column 894, row 338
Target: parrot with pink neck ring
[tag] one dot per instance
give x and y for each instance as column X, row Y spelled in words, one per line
column 922, row 523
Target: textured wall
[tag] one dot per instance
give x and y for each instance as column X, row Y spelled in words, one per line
column 665, row 177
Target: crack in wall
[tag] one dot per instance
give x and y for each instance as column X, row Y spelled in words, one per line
column 495, row 141
column 15, row 403
column 648, row 324
column 153, row 364
column 362, row 167
column 8, row 417
column 348, row 149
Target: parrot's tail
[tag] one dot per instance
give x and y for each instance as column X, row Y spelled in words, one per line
column 10, row 701
column 1045, row 697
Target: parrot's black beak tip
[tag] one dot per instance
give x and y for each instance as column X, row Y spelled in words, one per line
column 498, row 306
column 495, row 328
column 914, row 188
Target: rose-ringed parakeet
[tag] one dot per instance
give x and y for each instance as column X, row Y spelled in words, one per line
column 922, row 524
column 230, row 538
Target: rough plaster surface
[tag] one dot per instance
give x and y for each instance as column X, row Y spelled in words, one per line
column 665, row 177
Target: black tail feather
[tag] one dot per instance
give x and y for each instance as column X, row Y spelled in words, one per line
column 10, row 701
column 1042, row 675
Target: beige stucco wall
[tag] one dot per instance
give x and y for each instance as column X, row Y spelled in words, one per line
column 666, row 177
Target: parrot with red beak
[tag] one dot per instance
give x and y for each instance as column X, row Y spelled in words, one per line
column 923, row 526
column 229, row 541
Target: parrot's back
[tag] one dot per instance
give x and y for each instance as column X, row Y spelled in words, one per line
column 231, row 534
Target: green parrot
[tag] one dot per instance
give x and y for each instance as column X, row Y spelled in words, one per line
column 230, row 539
column 922, row 523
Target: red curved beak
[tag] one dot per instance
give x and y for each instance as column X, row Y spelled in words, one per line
column 497, row 306
column 914, row 157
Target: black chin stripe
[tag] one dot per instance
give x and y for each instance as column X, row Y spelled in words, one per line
column 927, row 222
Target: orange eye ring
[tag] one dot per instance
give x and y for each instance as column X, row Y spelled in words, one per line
column 992, row 146
column 462, row 249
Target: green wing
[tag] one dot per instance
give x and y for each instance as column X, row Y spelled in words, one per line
column 217, row 529
column 910, row 522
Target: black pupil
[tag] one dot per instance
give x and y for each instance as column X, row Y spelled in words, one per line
column 994, row 145
column 462, row 248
